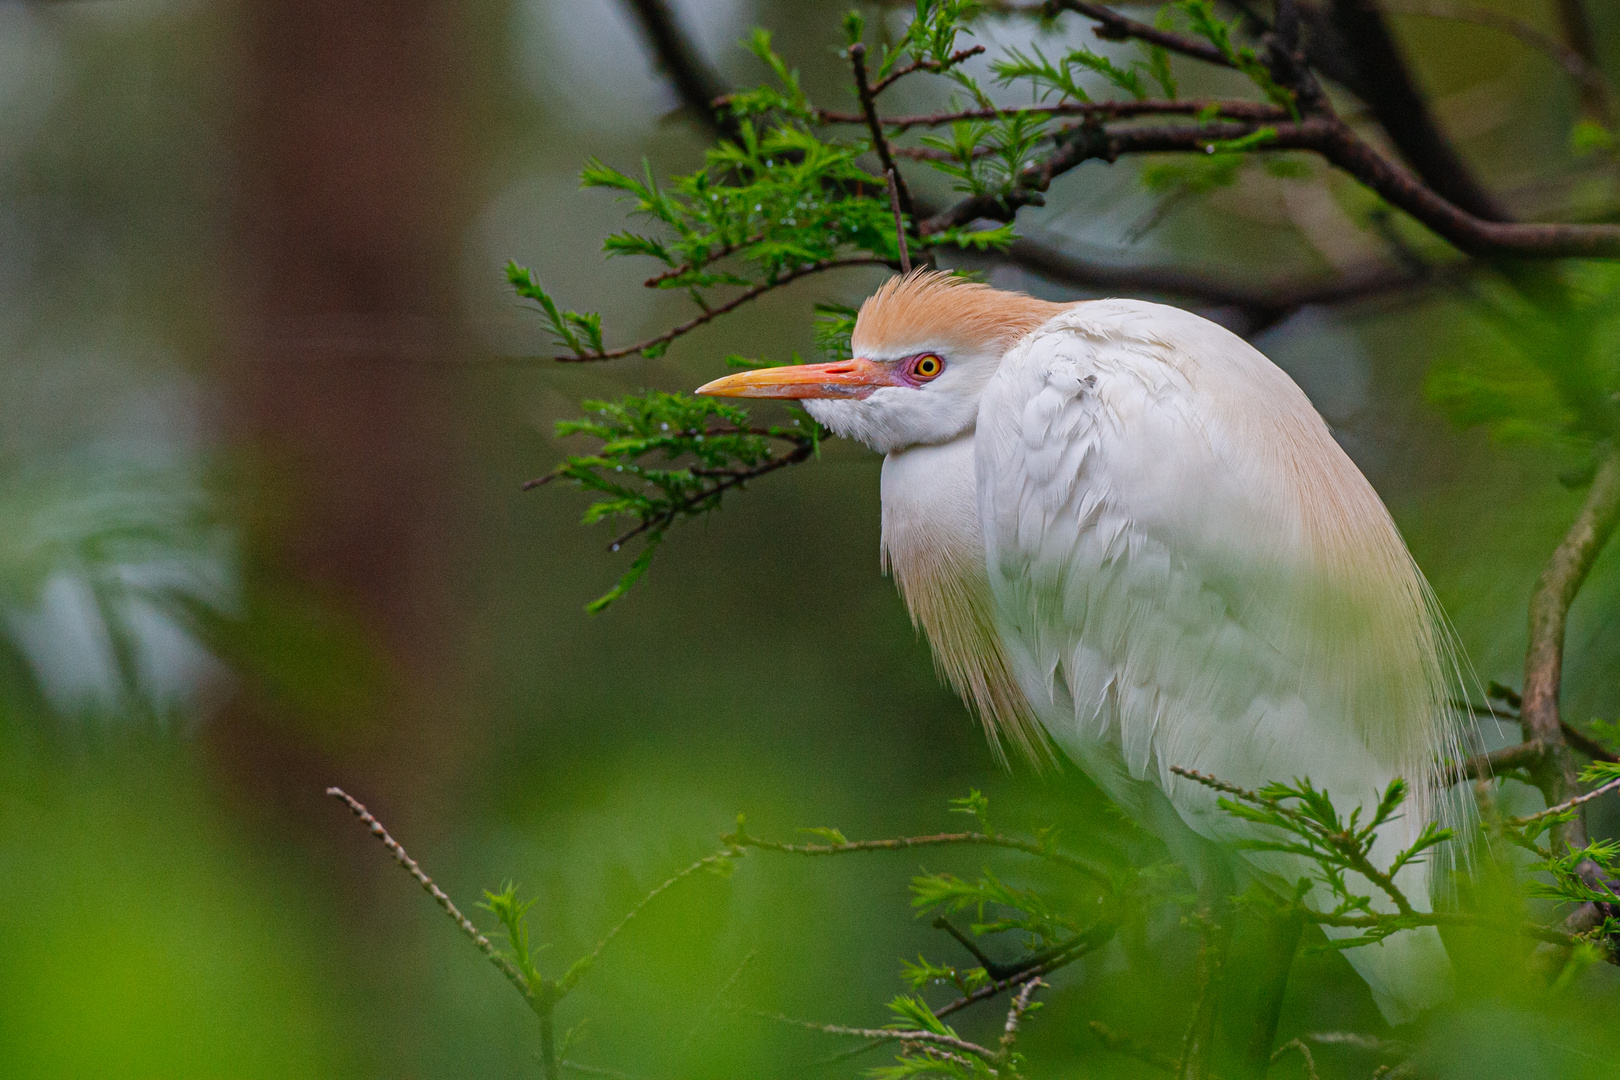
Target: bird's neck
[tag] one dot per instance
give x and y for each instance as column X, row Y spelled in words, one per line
column 934, row 548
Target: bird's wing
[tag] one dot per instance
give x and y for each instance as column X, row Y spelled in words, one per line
column 1157, row 580
column 1186, row 570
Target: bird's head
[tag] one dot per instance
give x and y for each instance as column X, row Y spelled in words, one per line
column 925, row 346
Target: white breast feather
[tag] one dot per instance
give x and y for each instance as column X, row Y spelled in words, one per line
column 1188, row 570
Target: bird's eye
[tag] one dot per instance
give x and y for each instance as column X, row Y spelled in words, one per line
column 927, row 366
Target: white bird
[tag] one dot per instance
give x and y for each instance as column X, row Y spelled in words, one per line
column 1121, row 526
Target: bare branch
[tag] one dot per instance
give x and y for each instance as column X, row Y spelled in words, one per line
column 934, row 66
column 1112, row 26
column 1015, row 1014
column 1322, row 135
column 1549, row 612
column 1304, row 1052
column 903, row 843
column 880, row 141
column 1389, row 90
column 678, row 57
column 899, row 221
column 439, row 897
column 1107, row 110
column 1596, row 95
column 1567, row 804
column 710, row 314
column 1577, row 28
column 582, row 965
column 882, row 1034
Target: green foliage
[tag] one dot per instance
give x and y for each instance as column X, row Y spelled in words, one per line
column 1047, row 78
column 790, row 193
column 1201, row 15
column 579, row 332
column 1549, row 370
column 664, row 457
column 514, row 918
column 1200, row 175
column 930, row 39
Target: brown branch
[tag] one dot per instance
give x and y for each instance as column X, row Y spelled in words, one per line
column 1392, row 95
column 880, row 141
column 1108, row 110
column 678, row 57
column 1525, row 755
column 935, row 66
column 1328, row 137
column 733, row 478
column 1112, row 26
column 899, row 220
column 1596, row 96
column 1549, row 612
column 712, row 255
column 506, row 967
column 710, row 314
column 1577, row 28
column 1256, row 307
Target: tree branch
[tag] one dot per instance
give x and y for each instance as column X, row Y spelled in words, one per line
column 1549, row 613
column 1258, row 306
column 506, row 967
column 710, row 314
column 1107, row 110
column 880, row 141
column 694, row 80
column 1389, row 91
column 1112, row 26
column 935, row 66
column 1577, row 60
column 1577, row 29
column 1330, row 138
column 902, row 843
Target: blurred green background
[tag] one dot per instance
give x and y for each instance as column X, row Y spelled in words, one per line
column 261, row 442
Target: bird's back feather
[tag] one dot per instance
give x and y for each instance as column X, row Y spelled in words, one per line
column 1187, row 570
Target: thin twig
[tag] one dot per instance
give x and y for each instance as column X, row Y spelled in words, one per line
column 899, row 221
column 1104, row 110
column 1567, row 804
column 733, row 478
column 1112, row 26
column 467, row 927
column 583, row 964
column 1304, row 1052
column 710, row 314
column 929, row 65
column 884, row 1034
column 1015, row 1014
column 710, row 256
column 1594, row 88
column 880, row 141
column 902, row 843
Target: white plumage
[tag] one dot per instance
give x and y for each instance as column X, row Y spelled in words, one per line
column 1120, row 522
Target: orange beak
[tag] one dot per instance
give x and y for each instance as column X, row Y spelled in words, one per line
column 855, row 378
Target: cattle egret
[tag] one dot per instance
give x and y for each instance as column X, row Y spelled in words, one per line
column 1123, row 528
